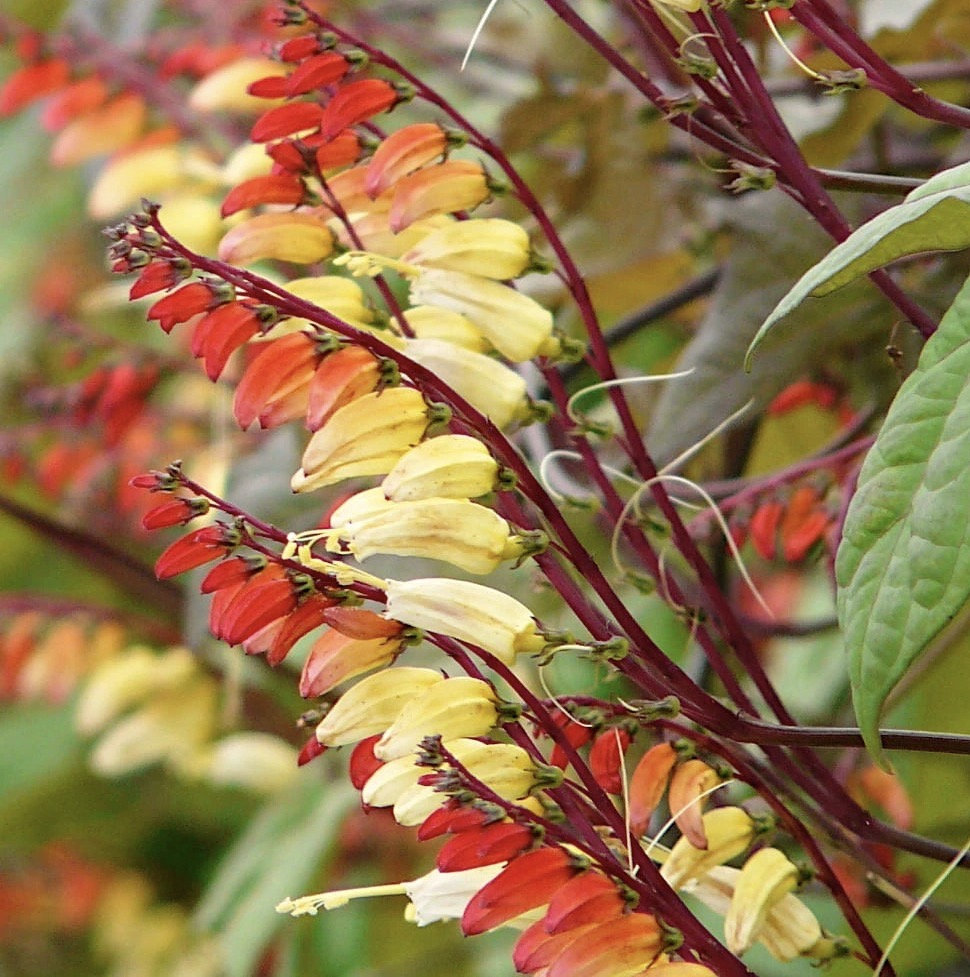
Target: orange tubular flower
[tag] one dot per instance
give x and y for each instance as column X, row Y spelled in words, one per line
column 279, row 369
column 342, row 377
column 295, row 236
column 689, row 781
column 183, row 304
column 219, row 333
column 308, row 616
column 285, row 120
column 403, row 152
column 442, row 189
column 335, row 657
column 648, row 783
column 111, row 126
column 342, row 150
column 198, row 548
column 617, row 948
column 528, row 882
column 357, row 102
column 77, row 99
column 589, row 897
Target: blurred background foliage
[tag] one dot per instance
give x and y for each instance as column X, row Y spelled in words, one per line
column 152, row 873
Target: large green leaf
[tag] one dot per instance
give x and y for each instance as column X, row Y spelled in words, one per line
column 934, row 217
column 903, row 567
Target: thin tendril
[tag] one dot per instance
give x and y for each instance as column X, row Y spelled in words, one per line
column 689, row 453
column 479, row 27
column 811, row 72
column 619, row 382
column 918, row 905
column 575, row 456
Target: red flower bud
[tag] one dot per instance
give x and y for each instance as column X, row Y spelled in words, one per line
column 302, row 621
column 451, row 818
column 182, row 304
column 356, row 622
column 316, row 72
column 298, row 48
column 763, row 528
column 363, row 763
column 274, row 86
column 487, row 845
column 587, row 898
column 605, row 758
column 174, row 512
column 273, row 188
column 284, row 120
column 311, row 750
column 229, row 573
column 156, row 276
column 219, row 333
column 198, row 548
column 31, row 82
column 357, row 102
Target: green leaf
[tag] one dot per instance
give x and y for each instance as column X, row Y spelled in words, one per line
column 275, row 857
column 934, row 217
column 903, row 566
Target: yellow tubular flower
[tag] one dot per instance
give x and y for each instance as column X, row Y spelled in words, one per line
column 453, row 708
column 517, row 326
column 225, row 88
column 365, row 437
column 506, row 769
column 790, row 929
column 290, row 236
column 341, row 297
column 429, row 322
column 488, row 385
column 452, row 466
column 256, row 761
column 126, row 179
column 490, row 247
column 373, row 704
column 468, row 611
column 766, row 877
column 729, row 831
column 455, row 531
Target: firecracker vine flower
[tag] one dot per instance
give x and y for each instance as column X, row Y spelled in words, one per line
column 336, row 272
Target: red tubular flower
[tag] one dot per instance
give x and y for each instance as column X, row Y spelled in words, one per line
column 361, row 624
column 605, row 759
column 77, row 99
column 363, row 763
column 763, row 528
column 341, row 377
column 317, row 71
column 451, row 818
column 280, row 368
column 284, row 120
column 198, row 548
column 156, row 276
column 309, row 615
column 174, row 512
column 219, row 333
column 803, row 524
column 529, row 881
column 486, row 845
column 617, row 948
column 230, row 573
column 577, row 734
column 272, row 188
column 357, row 102
column 298, row 48
column 589, row 897
column 311, row 750
column 267, row 596
column 648, row 783
column 182, row 304
column 803, row 392
column 31, row 82
column 288, row 157
column 273, row 86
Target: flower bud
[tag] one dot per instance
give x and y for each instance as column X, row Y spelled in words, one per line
column 373, row 703
column 294, row 236
column 455, row 531
column 470, row 612
column 729, row 831
column 453, row 708
column 403, row 152
column 766, row 878
column 688, row 786
column 365, row 437
column 488, row 385
column 430, row 322
column 516, row 325
column 445, row 188
column 452, row 466
column 648, row 783
column 490, row 247
column 256, row 761
column 336, row 657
